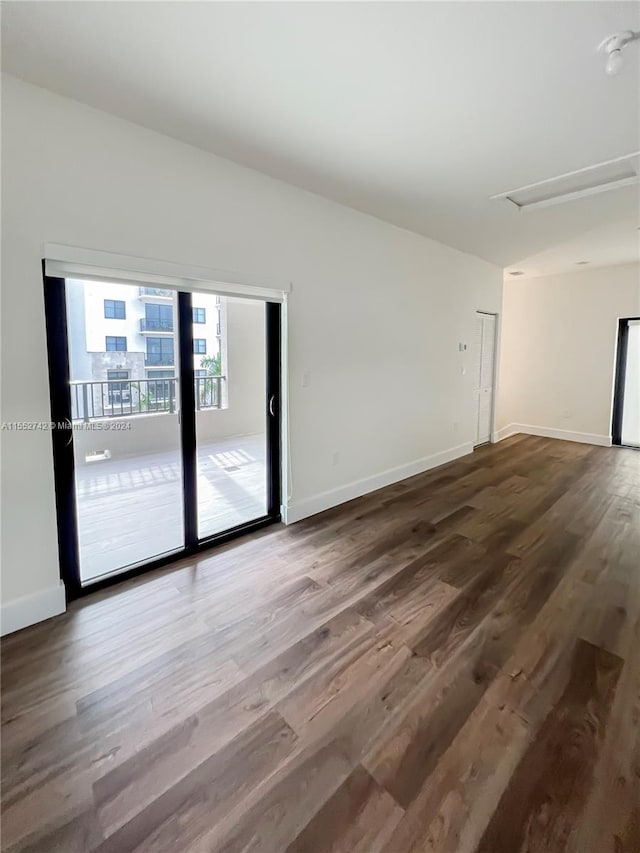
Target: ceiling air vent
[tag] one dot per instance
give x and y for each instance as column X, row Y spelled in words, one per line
column 611, row 175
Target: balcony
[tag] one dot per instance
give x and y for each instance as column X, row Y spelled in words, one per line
column 159, row 359
column 118, row 398
column 124, row 490
column 156, row 325
column 128, row 465
column 155, row 294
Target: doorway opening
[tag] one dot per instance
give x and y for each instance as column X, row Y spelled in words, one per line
column 625, row 430
column 167, row 413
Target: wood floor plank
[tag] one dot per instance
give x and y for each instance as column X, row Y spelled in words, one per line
column 457, row 800
column 174, row 819
column 547, row 791
column 457, row 620
column 359, row 818
column 449, row 664
column 402, row 760
column 611, row 818
column 330, row 750
column 320, row 703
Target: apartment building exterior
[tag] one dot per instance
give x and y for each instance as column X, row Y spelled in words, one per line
column 123, row 348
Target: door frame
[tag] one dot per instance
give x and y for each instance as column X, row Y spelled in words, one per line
column 63, row 453
column 619, row 381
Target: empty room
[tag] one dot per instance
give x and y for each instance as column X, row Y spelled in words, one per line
column 320, row 427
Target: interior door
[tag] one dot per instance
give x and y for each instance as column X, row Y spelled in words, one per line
column 484, row 371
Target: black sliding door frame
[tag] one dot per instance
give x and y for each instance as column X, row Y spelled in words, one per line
column 63, row 451
column 55, row 310
column 620, row 378
column 273, row 319
column 187, row 420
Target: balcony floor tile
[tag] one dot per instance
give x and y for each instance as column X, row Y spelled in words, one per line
column 130, row 508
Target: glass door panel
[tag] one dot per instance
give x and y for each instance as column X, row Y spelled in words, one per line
column 126, row 435
column 631, row 390
column 229, row 362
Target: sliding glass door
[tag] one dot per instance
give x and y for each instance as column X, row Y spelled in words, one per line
column 167, row 436
column 126, row 437
column 229, row 362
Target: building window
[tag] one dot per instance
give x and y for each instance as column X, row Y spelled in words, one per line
column 199, row 315
column 159, row 352
column 161, row 374
column 114, row 309
column 115, row 343
column 119, row 392
column 200, row 346
column 157, row 318
column 200, row 373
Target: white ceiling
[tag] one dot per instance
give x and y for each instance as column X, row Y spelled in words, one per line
column 413, row 112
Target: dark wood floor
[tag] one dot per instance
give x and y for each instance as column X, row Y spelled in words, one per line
column 450, row 664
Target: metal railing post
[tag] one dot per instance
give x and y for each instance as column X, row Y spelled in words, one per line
column 85, row 404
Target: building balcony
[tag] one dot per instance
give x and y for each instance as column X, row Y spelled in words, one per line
column 155, row 294
column 159, row 359
column 156, row 326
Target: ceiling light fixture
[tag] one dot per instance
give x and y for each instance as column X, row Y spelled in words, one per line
column 612, row 48
column 601, row 177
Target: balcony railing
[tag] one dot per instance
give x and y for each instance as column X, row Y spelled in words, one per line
column 151, row 325
column 159, row 359
column 156, row 292
column 208, row 392
column 117, row 398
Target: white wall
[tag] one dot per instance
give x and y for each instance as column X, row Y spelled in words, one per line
column 76, row 176
column 558, row 350
column 244, row 363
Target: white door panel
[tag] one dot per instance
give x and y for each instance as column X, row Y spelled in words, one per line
column 484, row 368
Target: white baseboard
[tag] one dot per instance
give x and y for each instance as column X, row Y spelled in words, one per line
column 30, row 609
column 505, row 432
column 548, row 432
column 326, row 500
